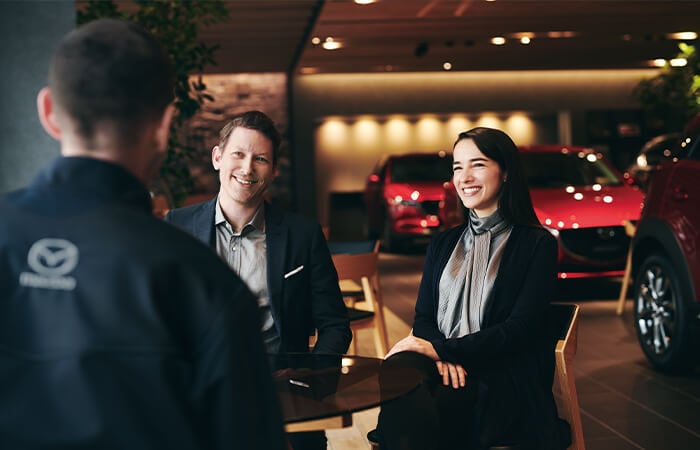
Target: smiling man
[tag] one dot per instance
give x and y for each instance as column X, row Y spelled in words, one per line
column 283, row 257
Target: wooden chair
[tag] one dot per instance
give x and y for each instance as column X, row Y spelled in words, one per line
column 565, row 330
column 362, row 269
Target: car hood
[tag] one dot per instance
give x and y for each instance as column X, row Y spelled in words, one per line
column 584, row 207
column 433, row 190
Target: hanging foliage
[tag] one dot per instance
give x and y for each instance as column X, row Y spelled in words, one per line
column 674, row 94
column 176, row 25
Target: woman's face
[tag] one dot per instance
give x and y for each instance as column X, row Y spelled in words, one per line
column 478, row 179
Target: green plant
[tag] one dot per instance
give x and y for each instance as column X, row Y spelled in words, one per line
column 176, row 24
column 674, row 94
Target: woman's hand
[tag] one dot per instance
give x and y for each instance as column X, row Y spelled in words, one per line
column 452, row 374
column 414, row 344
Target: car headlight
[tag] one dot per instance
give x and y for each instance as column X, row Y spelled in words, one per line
column 398, row 200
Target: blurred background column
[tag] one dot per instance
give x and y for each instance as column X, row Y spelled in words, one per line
column 29, row 31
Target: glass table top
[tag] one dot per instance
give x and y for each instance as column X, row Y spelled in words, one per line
column 315, row 386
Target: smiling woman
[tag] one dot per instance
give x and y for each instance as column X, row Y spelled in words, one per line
column 478, row 335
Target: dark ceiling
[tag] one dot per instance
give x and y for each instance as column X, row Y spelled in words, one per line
column 421, row 35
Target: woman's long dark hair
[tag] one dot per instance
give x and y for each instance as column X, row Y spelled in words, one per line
column 514, row 204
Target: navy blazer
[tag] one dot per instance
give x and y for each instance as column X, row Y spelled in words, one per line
column 301, row 278
column 512, row 356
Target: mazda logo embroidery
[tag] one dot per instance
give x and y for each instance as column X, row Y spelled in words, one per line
column 53, row 257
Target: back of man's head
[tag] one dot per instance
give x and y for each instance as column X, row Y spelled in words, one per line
column 110, row 75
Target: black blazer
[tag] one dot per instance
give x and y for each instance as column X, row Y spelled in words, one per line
column 301, row 279
column 512, row 356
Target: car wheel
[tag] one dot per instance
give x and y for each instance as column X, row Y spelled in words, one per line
column 661, row 317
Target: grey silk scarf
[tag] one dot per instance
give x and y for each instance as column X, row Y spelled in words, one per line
column 468, row 277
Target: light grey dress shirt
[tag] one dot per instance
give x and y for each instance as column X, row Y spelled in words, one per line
column 245, row 253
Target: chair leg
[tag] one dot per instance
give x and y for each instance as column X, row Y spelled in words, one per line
column 567, row 387
column 625, row 284
column 354, row 343
column 381, row 339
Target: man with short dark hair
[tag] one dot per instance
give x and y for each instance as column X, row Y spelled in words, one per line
column 118, row 331
column 282, row 257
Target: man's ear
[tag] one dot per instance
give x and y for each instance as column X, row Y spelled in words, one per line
column 47, row 114
column 163, row 130
column 216, row 154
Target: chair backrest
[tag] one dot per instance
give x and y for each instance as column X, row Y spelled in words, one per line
column 364, row 267
column 356, row 266
column 564, row 321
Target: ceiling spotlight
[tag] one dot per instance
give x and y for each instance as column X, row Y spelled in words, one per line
column 421, row 49
column 365, row 2
column 678, row 62
column 525, row 40
column 659, row 62
column 447, row 66
column 331, row 44
column 683, row 36
column 498, row 40
column 315, row 40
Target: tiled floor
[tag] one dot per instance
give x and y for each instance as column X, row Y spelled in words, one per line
column 624, row 403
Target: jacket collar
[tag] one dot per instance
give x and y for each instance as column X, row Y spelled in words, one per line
column 82, row 182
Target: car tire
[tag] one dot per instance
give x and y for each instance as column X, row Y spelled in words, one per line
column 662, row 317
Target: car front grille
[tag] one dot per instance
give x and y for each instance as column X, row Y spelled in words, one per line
column 603, row 246
column 431, row 207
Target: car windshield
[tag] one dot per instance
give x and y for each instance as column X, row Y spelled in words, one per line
column 421, row 168
column 557, row 170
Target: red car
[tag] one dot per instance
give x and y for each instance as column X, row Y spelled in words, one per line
column 410, row 197
column 666, row 260
column 584, row 201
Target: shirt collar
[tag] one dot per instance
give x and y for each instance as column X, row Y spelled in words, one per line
column 257, row 222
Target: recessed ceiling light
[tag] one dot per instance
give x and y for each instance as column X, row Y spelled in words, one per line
column 683, row 36
column 447, row 66
column 659, row 62
column 331, row 44
column 498, row 40
column 365, row 2
column 678, row 62
column 315, row 40
column 525, row 40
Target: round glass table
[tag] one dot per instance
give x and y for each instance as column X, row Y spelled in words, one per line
column 318, row 386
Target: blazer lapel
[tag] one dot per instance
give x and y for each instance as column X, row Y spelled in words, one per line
column 203, row 223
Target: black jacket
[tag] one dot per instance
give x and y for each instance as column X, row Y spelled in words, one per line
column 301, row 278
column 512, row 356
column 118, row 331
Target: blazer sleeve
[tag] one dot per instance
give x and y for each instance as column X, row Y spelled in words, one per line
column 525, row 285
column 330, row 317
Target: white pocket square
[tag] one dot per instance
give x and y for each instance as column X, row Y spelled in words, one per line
column 295, row 271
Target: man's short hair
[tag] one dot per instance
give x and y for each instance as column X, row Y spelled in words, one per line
column 253, row 120
column 111, row 72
